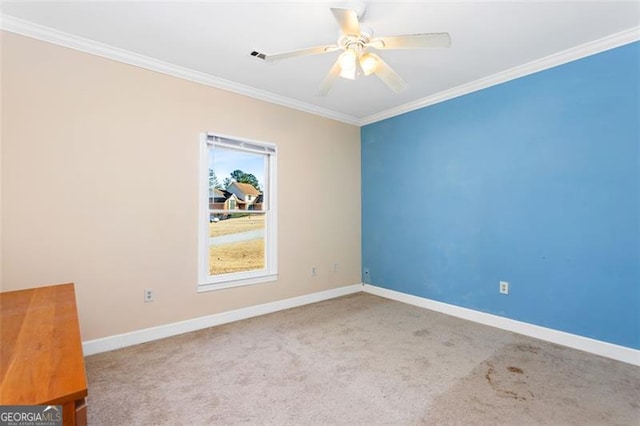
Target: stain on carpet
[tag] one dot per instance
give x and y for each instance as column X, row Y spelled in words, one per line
column 517, row 370
column 506, row 386
column 420, row 333
column 521, row 379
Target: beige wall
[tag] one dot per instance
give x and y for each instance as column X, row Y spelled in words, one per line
column 99, row 187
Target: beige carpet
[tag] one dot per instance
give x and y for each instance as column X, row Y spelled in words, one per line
column 358, row 360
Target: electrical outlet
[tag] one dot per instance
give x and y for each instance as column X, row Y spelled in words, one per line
column 148, row 295
column 335, row 267
column 504, row 287
column 366, row 275
column 314, row 271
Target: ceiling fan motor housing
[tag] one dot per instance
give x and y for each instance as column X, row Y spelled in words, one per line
column 357, row 43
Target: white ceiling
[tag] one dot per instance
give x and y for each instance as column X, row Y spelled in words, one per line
column 214, row 39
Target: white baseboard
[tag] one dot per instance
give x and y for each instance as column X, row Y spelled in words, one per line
column 597, row 347
column 92, row 347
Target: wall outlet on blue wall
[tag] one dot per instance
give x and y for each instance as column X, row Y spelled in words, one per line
column 504, row 287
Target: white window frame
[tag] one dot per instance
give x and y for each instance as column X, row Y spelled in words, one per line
column 269, row 273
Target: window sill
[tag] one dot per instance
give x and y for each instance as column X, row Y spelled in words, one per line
column 212, row 286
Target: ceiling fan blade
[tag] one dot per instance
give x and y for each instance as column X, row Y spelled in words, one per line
column 302, row 52
column 347, row 20
column 388, row 75
column 413, row 41
column 331, row 77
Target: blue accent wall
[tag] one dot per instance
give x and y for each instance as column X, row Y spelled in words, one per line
column 535, row 181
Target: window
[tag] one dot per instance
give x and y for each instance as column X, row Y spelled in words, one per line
column 238, row 228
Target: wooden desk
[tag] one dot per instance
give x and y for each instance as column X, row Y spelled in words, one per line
column 41, row 361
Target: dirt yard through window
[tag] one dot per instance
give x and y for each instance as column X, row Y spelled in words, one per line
column 246, row 255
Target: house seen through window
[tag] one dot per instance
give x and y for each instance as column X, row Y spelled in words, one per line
column 238, row 225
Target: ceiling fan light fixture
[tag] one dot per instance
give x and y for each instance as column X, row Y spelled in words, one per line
column 368, row 63
column 349, row 74
column 347, row 62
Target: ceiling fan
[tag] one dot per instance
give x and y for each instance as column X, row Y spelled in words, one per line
column 356, row 41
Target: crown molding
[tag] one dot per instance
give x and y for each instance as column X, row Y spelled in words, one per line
column 40, row 32
column 606, row 43
column 30, row 29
